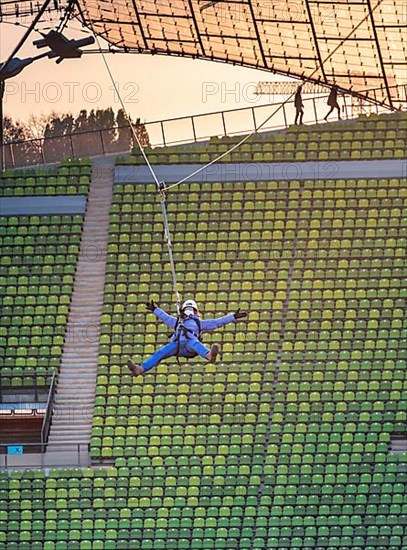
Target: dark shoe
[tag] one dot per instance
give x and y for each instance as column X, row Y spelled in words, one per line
column 214, row 352
column 134, row 368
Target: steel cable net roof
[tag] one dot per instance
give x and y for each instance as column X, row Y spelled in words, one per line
column 289, row 37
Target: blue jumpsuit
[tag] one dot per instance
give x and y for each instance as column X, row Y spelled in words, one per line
column 189, row 345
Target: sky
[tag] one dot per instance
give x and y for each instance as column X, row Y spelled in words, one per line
column 152, row 87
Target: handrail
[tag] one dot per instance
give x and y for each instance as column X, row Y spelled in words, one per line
column 165, row 132
column 47, row 417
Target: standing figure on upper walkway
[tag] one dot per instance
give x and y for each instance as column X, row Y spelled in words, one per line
column 333, row 102
column 299, row 106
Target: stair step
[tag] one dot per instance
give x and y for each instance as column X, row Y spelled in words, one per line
column 74, row 376
column 68, row 438
column 72, row 419
column 63, row 436
column 76, row 379
column 79, row 360
column 74, row 356
column 70, row 358
column 78, row 368
column 65, row 401
column 68, row 391
column 63, row 449
column 67, row 444
column 81, row 378
column 90, row 377
column 81, row 424
column 69, row 400
column 79, row 410
column 69, row 385
column 82, row 366
column 65, row 433
column 64, row 428
column 72, row 403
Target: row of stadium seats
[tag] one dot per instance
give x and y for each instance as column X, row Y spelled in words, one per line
column 72, row 177
column 375, row 138
column 311, row 151
column 330, row 188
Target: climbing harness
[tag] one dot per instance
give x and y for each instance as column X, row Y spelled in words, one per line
column 184, row 329
column 181, row 328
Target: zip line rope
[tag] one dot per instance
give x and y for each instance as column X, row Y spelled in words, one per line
column 116, row 89
column 163, row 200
column 162, row 187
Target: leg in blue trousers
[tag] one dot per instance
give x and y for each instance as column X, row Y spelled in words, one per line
column 198, row 348
column 169, row 350
column 189, row 349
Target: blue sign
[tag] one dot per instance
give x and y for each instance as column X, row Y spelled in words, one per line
column 15, row 450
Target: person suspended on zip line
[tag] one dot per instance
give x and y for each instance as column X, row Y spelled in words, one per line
column 185, row 342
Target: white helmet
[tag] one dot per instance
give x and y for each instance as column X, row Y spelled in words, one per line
column 190, row 303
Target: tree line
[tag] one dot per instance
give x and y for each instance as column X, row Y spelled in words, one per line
column 60, row 135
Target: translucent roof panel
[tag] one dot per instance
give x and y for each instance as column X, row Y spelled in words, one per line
column 359, row 44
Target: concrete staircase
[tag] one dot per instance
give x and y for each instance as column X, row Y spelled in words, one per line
column 74, row 401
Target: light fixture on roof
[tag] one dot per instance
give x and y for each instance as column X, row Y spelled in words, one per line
column 62, row 47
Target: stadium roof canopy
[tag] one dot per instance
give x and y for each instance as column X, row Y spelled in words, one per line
column 360, row 44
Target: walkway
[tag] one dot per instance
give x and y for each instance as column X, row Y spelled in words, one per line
column 267, row 171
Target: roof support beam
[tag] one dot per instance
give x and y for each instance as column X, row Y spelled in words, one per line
column 140, row 24
column 198, row 32
column 316, row 43
column 256, row 30
column 379, row 53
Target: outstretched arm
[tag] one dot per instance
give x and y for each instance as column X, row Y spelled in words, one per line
column 212, row 324
column 169, row 320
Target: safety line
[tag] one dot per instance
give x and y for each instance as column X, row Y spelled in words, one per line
column 163, row 199
column 255, row 131
column 116, row 89
column 161, row 186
